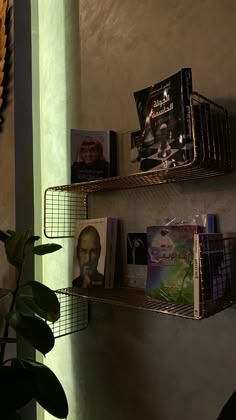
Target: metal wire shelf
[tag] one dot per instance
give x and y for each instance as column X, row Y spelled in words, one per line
column 217, row 291
column 65, row 204
column 74, row 314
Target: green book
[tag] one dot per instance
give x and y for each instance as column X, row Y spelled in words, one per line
column 170, row 263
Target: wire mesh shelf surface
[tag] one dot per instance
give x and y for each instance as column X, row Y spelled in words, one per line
column 73, row 314
column 64, row 205
column 217, row 289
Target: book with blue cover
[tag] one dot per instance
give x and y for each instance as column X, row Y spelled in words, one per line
column 170, row 263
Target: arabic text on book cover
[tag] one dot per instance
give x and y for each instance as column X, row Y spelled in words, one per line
column 165, row 121
column 170, row 263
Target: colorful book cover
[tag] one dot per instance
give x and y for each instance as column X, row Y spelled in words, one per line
column 93, row 155
column 170, row 263
column 165, row 121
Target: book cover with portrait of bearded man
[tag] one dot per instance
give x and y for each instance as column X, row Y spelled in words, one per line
column 93, row 155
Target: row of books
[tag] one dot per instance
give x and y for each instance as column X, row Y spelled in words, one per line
column 185, row 265
column 165, row 138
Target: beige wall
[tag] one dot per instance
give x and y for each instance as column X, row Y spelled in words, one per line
column 131, row 364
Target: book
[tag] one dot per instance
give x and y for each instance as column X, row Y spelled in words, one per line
column 165, row 121
column 93, row 155
column 94, row 253
column 210, row 273
column 170, row 263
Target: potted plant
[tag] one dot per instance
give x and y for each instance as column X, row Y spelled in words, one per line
column 32, row 305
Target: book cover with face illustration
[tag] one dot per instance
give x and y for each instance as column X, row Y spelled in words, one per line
column 90, row 247
column 93, row 155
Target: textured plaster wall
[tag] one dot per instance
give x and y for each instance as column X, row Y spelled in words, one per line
column 55, row 91
column 130, row 364
column 134, row 365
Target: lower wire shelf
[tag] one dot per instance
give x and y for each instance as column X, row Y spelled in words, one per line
column 73, row 314
column 74, row 303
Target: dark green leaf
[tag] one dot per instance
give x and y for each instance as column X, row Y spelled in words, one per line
column 3, row 292
column 3, row 235
column 229, row 410
column 16, row 388
column 46, row 249
column 41, row 299
column 29, row 241
column 32, row 329
column 48, row 390
column 32, row 239
column 7, row 340
column 14, row 246
column 11, row 232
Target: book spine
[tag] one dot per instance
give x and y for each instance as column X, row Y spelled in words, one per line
column 211, row 223
column 113, row 153
column 196, row 275
column 186, row 91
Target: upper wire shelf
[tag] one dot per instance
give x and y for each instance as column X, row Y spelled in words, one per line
column 211, row 146
column 65, row 204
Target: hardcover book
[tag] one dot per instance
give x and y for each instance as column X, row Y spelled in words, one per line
column 170, row 263
column 93, row 155
column 165, row 121
column 94, row 253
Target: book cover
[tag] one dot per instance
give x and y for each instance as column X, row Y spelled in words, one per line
column 94, row 253
column 165, row 121
column 170, row 263
column 90, row 247
column 135, row 146
column 93, row 155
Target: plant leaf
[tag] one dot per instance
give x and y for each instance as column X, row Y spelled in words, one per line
column 32, row 239
column 16, row 388
column 29, row 241
column 11, row 232
column 3, row 235
column 14, row 246
column 228, row 412
column 48, row 390
column 46, row 249
column 41, row 299
column 32, row 329
column 3, row 292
